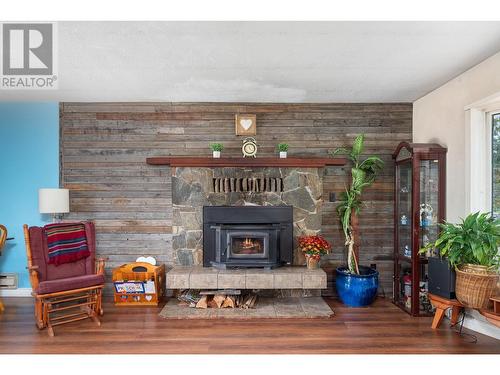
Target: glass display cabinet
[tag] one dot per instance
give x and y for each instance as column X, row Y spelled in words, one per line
column 420, row 179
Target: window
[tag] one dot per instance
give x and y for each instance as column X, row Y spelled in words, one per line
column 495, row 158
column 482, row 156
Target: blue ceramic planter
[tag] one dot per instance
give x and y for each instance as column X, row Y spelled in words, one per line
column 357, row 290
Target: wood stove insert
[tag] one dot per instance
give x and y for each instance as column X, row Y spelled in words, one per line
column 247, row 236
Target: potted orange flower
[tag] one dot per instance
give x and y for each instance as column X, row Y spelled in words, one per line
column 313, row 248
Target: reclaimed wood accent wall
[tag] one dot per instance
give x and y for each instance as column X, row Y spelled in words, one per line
column 104, row 147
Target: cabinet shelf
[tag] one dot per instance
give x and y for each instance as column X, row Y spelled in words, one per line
column 421, row 260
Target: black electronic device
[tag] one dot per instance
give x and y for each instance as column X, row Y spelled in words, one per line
column 441, row 278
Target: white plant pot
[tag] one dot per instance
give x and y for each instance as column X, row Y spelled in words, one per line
column 282, row 154
column 216, row 154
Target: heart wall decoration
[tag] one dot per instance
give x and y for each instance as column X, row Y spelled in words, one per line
column 246, row 124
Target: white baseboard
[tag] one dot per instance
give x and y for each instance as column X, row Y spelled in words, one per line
column 19, row 292
column 476, row 322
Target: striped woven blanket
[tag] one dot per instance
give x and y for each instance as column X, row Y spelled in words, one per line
column 66, row 242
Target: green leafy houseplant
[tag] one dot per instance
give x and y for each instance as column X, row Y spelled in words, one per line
column 217, row 146
column 283, row 147
column 473, row 241
column 363, row 173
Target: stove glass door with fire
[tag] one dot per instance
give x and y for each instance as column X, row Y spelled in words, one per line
column 247, row 244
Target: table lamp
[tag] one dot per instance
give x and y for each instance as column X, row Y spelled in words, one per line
column 53, row 201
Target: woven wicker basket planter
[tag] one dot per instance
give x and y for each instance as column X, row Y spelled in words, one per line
column 475, row 285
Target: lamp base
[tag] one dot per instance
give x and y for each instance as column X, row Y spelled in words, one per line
column 57, row 218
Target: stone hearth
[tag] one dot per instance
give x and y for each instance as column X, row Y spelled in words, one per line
column 193, row 188
column 280, row 278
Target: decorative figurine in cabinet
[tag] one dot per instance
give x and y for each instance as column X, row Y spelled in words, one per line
column 420, row 179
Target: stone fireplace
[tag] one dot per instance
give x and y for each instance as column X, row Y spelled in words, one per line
column 247, row 236
column 196, row 187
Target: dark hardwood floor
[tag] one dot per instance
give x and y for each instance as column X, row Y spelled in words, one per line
column 381, row 328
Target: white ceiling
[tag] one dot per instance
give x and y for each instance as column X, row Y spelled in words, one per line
column 262, row 61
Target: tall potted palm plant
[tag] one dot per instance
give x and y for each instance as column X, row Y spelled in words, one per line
column 356, row 285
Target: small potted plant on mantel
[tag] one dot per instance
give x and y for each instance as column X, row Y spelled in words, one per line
column 216, row 149
column 356, row 285
column 283, row 149
column 314, row 247
column 472, row 248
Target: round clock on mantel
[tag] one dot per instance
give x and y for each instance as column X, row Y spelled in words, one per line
column 249, row 147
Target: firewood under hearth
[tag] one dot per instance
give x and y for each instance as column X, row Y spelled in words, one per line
column 218, row 299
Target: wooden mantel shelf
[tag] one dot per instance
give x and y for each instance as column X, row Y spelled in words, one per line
column 305, row 162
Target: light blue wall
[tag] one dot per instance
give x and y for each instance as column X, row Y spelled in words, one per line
column 29, row 160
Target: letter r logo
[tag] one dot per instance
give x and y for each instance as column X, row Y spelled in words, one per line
column 27, row 49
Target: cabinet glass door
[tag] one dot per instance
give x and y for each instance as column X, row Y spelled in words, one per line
column 429, row 203
column 429, row 224
column 404, row 198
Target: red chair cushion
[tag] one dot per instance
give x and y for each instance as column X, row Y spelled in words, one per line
column 60, row 285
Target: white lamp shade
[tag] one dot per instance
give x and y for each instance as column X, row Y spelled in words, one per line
column 53, row 201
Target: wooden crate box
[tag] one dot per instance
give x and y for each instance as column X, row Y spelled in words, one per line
column 138, row 284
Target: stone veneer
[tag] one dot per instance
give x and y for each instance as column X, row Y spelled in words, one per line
column 192, row 188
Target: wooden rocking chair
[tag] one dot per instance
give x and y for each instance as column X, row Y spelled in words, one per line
column 68, row 292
